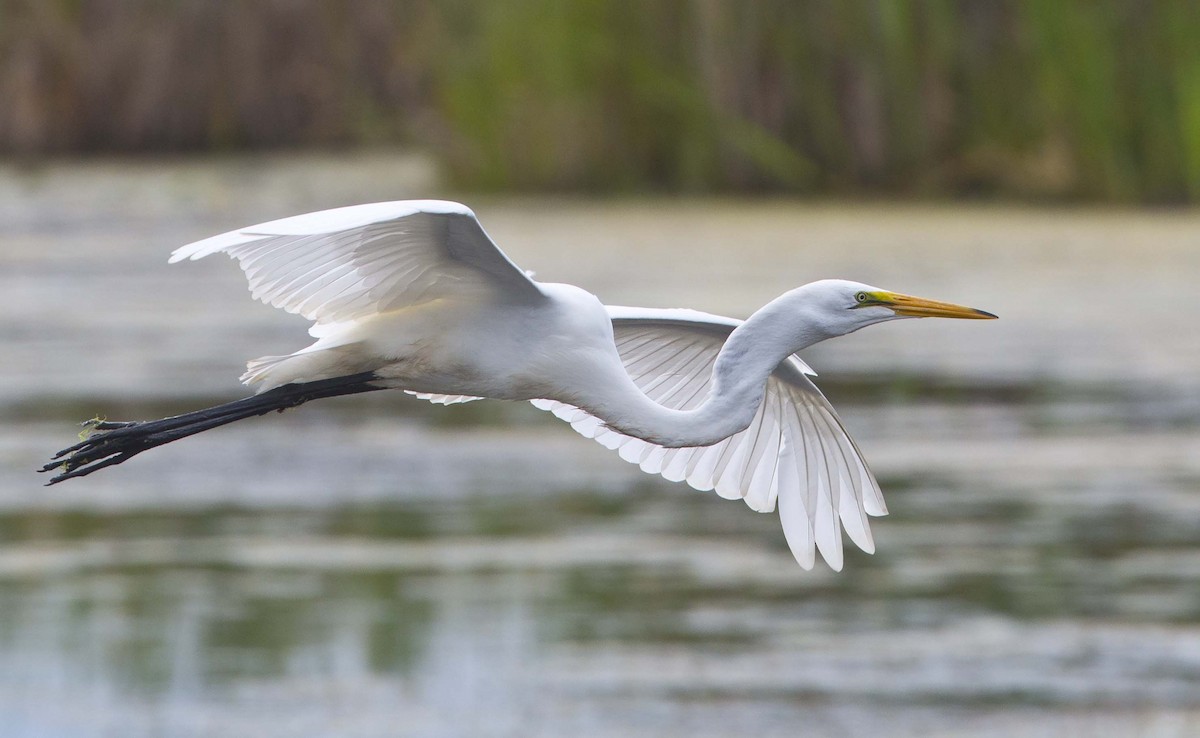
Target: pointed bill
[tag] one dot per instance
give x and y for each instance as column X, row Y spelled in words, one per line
column 919, row 307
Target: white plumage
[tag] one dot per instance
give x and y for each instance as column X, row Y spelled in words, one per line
column 414, row 295
column 670, row 356
column 354, row 262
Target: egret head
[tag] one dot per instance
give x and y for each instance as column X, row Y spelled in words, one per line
column 842, row 306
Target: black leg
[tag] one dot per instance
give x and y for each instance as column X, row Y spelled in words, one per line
column 113, row 442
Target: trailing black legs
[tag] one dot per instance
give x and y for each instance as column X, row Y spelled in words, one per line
column 113, row 442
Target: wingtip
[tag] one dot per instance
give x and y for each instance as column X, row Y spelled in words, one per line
column 834, row 556
column 807, row 559
column 874, row 505
column 185, row 253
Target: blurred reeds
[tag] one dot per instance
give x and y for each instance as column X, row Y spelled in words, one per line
column 1064, row 99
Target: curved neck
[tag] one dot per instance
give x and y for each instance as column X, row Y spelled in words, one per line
column 739, row 377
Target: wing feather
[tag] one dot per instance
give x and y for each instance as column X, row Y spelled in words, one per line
column 795, row 455
column 443, row 399
column 342, row 264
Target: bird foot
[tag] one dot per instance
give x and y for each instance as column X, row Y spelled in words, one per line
column 101, row 443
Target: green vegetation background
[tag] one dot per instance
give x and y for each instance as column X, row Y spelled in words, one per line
column 1058, row 99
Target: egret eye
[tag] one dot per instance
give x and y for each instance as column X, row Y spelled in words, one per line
column 861, row 297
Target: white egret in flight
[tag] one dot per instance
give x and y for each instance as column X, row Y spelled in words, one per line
column 414, row 295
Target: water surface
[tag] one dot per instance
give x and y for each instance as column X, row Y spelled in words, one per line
column 383, row 567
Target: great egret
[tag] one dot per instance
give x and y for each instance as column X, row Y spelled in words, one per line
column 414, row 295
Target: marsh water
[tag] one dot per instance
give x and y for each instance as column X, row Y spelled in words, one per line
column 376, row 566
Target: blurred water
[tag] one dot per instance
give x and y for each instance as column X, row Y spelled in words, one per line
column 383, row 567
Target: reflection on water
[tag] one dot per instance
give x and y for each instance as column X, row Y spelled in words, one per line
column 1005, row 594
column 378, row 568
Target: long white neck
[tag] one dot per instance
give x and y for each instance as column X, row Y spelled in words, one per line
column 752, row 351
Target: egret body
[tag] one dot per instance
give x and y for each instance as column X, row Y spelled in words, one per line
column 414, row 295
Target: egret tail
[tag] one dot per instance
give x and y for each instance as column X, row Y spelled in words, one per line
column 114, row 442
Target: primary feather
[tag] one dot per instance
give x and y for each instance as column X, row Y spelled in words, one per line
column 670, row 356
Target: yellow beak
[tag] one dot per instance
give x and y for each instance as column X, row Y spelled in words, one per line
column 919, row 307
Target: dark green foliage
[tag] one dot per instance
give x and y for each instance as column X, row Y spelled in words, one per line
column 1069, row 99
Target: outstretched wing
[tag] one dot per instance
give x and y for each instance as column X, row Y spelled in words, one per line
column 347, row 263
column 795, row 452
